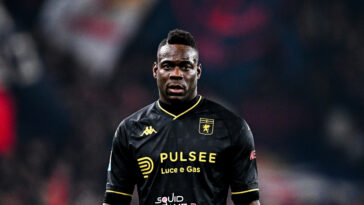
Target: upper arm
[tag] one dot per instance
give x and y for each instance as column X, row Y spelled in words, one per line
column 244, row 174
column 121, row 173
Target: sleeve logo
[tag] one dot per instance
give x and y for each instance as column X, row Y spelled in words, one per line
column 206, row 126
column 253, row 155
column 148, row 131
column 146, row 166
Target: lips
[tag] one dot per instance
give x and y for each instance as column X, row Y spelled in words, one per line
column 175, row 88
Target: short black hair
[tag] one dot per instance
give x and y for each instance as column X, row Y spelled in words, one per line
column 178, row 36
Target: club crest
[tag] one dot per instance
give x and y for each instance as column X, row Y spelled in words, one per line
column 206, row 126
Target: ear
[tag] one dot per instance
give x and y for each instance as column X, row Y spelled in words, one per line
column 155, row 68
column 199, row 70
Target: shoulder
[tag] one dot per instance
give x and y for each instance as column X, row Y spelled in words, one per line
column 147, row 113
column 221, row 111
column 233, row 121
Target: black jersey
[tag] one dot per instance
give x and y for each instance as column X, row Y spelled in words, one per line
column 187, row 159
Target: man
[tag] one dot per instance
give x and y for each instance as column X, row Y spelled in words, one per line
column 182, row 149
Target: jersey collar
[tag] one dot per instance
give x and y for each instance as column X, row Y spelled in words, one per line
column 184, row 112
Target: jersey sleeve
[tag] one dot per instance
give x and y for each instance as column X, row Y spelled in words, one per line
column 121, row 177
column 244, row 175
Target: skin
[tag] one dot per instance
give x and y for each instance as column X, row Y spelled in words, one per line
column 177, row 72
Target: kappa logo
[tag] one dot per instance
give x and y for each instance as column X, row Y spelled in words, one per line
column 148, row 131
column 206, row 126
column 146, row 165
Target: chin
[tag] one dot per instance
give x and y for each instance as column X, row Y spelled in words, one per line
column 176, row 99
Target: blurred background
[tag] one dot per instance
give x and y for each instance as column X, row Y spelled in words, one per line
column 71, row 70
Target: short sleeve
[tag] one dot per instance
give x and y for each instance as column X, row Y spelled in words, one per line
column 244, row 174
column 121, row 174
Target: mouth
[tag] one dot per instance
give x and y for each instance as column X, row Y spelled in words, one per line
column 175, row 89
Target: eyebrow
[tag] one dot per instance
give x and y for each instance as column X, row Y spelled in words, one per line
column 178, row 63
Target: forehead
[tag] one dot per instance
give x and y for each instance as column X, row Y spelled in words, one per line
column 177, row 52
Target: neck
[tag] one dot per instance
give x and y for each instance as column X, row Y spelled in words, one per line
column 178, row 107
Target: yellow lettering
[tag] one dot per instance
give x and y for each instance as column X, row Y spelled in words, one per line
column 181, row 157
column 163, row 156
column 192, row 157
column 191, row 169
column 169, row 170
column 202, row 157
column 171, row 157
column 212, row 158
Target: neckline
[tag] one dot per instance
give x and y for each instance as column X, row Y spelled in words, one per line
column 182, row 113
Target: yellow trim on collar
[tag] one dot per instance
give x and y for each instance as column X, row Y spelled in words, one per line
column 243, row 192
column 177, row 116
column 116, row 192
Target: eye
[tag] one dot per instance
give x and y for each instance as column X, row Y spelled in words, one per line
column 166, row 66
column 186, row 66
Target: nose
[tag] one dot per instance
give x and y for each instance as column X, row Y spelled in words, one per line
column 176, row 73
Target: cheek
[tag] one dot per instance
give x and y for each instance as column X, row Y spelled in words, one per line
column 192, row 81
column 161, row 79
column 192, row 76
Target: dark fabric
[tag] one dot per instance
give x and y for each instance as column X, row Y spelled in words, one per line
column 116, row 199
column 179, row 108
column 193, row 158
column 245, row 198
